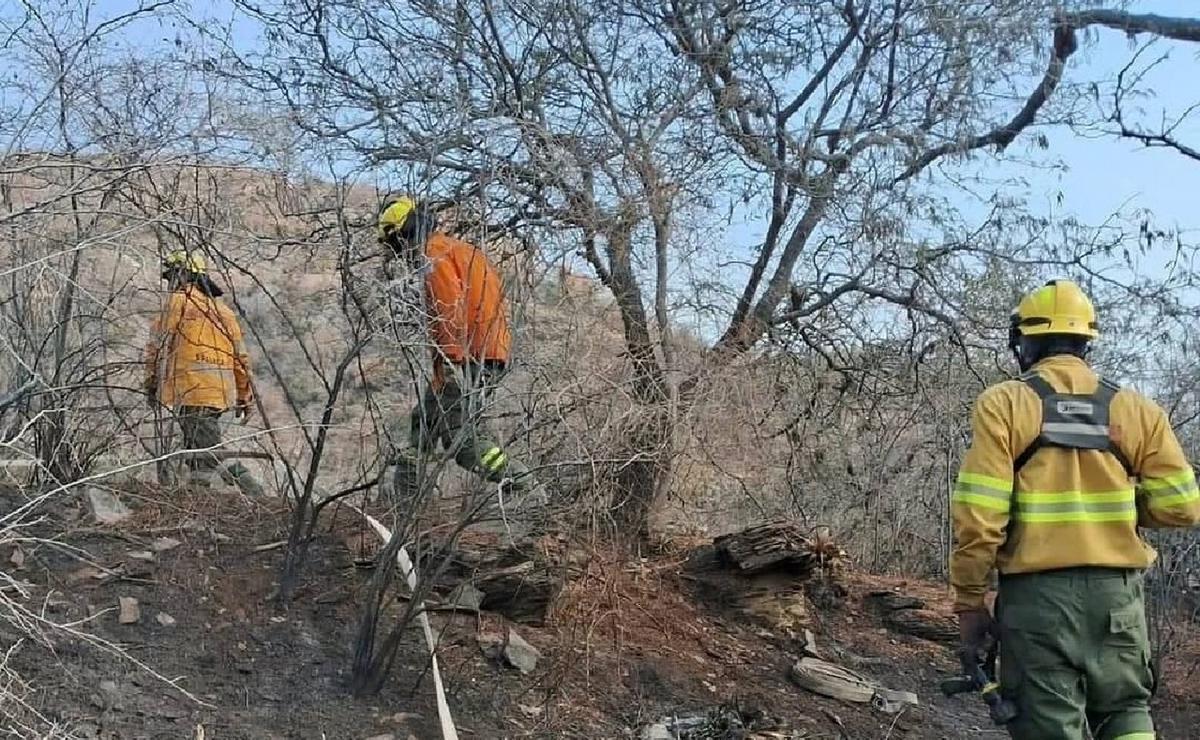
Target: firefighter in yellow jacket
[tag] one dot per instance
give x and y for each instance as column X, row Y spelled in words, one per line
column 1063, row 468
column 196, row 365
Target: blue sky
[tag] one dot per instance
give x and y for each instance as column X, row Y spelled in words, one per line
column 1105, row 174
column 1100, row 175
column 1086, row 177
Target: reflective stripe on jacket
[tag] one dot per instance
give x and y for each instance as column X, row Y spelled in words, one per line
column 196, row 355
column 1066, row 507
column 466, row 304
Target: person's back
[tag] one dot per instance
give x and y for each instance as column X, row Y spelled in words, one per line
column 196, row 365
column 1062, row 470
column 467, row 313
column 202, row 339
column 1077, row 507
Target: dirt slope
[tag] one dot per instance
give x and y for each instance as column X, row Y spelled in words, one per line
column 627, row 644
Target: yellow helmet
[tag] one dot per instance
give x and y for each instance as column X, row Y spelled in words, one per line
column 1058, row 307
column 179, row 259
column 394, row 215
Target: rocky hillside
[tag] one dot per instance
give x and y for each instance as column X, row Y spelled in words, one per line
column 694, row 641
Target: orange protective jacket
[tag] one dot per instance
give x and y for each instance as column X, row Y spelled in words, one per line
column 1067, row 507
column 465, row 300
column 196, row 355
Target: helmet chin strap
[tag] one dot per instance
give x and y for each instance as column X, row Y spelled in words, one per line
column 175, row 277
column 1029, row 351
column 1024, row 362
column 1015, row 342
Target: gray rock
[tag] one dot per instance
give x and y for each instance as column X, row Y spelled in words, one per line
column 810, row 645
column 144, row 555
column 130, row 612
column 165, row 619
column 106, row 507
column 137, row 568
column 466, row 597
column 656, row 731
column 163, row 544
column 17, row 472
column 491, row 644
column 107, row 696
column 520, row 654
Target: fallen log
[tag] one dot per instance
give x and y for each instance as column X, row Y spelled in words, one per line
column 890, row 601
column 776, row 546
column 523, row 593
column 519, row 582
column 924, row 623
column 226, row 454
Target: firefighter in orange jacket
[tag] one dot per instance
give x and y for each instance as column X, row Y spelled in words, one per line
column 196, row 365
column 1063, row 468
column 470, row 342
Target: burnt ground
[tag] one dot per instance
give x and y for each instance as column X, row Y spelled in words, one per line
column 626, row 644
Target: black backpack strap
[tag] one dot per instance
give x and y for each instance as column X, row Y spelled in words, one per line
column 1040, row 385
column 1044, row 390
column 1105, row 391
column 1029, row 452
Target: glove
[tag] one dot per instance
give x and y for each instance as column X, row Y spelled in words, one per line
column 975, row 630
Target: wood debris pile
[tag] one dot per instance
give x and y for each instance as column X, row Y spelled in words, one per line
column 773, row 572
column 520, row 582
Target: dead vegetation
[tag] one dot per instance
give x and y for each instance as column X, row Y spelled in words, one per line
column 736, row 428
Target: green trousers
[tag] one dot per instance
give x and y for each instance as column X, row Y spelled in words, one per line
column 454, row 417
column 1075, row 654
column 200, row 428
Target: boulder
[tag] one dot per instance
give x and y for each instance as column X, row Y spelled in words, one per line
column 163, row 544
column 129, row 612
column 511, row 647
column 519, row 653
column 465, row 597
column 106, row 507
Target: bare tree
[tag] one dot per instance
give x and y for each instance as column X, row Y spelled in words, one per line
column 1118, row 119
column 824, row 114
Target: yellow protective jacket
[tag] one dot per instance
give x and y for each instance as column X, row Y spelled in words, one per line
column 196, row 355
column 1066, row 507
